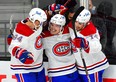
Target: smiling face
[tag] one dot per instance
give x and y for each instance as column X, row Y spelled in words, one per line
column 79, row 26
column 54, row 28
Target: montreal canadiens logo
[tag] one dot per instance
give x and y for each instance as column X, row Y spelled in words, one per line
column 38, row 43
column 61, row 49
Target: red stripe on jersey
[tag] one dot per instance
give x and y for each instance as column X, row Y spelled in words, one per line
column 14, row 50
column 19, row 53
column 21, row 78
column 61, row 67
column 96, row 77
column 94, row 64
column 26, row 65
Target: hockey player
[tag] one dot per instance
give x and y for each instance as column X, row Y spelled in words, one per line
column 88, row 47
column 26, row 48
column 61, row 62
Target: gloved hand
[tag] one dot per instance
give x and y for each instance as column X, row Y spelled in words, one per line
column 80, row 42
column 24, row 56
column 9, row 39
column 57, row 8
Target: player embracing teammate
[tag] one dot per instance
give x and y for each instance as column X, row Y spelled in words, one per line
column 57, row 45
column 91, row 61
column 64, row 45
column 26, row 48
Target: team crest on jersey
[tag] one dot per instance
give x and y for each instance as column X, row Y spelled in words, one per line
column 61, row 49
column 38, row 43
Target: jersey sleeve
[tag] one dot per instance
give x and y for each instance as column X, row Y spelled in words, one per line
column 20, row 36
column 94, row 43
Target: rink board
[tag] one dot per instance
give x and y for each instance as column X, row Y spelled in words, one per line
column 7, row 75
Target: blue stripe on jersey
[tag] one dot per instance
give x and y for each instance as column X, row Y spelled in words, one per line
column 94, row 67
column 61, row 70
column 27, row 68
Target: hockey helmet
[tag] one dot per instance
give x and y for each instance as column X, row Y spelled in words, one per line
column 84, row 16
column 58, row 19
column 37, row 14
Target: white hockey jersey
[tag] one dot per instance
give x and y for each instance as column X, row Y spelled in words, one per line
column 95, row 60
column 29, row 40
column 58, row 50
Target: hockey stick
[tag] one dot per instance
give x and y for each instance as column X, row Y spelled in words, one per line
column 84, row 3
column 73, row 23
column 66, row 2
column 11, row 25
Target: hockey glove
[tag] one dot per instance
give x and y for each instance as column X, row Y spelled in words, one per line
column 24, row 56
column 80, row 42
column 9, row 39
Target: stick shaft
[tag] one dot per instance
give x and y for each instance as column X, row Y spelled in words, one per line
column 84, row 3
column 73, row 23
